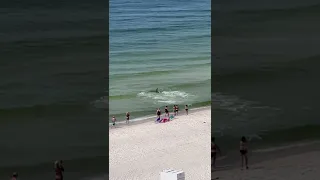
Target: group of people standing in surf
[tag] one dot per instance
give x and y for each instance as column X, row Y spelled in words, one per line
column 243, row 152
column 175, row 111
column 158, row 113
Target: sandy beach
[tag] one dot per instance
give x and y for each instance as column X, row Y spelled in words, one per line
column 142, row 151
column 295, row 162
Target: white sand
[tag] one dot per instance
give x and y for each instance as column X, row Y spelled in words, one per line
column 304, row 166
column 142, row 151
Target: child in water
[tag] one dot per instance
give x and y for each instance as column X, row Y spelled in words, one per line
column 113, row 120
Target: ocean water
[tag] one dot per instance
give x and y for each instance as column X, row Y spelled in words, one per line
column 265, row 75
column 53, row 74
column 158, row 44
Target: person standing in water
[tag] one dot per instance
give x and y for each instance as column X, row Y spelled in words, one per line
column 214, row 149
column 114, row 120
column 174, row 110
column 14, row 176
column 166, row 111
column 158, row 113
column 244, row 151
column 177, row 109
column 186, row 108
column 127, row 117
column 59, row 170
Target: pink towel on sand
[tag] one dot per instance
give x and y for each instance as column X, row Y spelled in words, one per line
column 165, row 120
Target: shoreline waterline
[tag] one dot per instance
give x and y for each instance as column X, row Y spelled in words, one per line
column 151, row 118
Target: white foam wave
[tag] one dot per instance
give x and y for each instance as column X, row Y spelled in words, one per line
column 166, row 97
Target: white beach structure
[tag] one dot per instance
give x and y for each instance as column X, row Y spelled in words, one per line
column 170, row 174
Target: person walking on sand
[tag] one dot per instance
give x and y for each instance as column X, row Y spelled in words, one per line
column 59, row 170
column 127, row 117
column 166, row 111
column 214, row 149
column 244, row 151
column 114, row 120
column 177, row 109
column 14, row 176
column 158, row 113
column 186, row 108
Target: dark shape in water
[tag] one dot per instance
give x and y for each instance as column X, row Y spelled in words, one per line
column 156, row 91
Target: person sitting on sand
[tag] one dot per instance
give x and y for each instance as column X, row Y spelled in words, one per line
column 158, row 113
column 14, row 176
column 244, row 151
column 214, row 149
column 127, row 117
column 113, row 120
column 59, row 170
column 186, row 108
column 166, row 111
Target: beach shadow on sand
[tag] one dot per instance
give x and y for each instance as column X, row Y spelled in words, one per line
column 222, row 168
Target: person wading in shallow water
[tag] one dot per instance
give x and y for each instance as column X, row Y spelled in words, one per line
column 166, row 111
column 214, row 149
column 127, row 117
column 59, row 170
column 14, row 176
column 177, row 109
column 114, row 120
column 158, row 113
column 244, row 151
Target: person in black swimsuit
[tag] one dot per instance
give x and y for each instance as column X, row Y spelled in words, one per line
column 128, row 117
column 244, row 151
column 158, row 113
column 166, row 111
column 186, row 108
